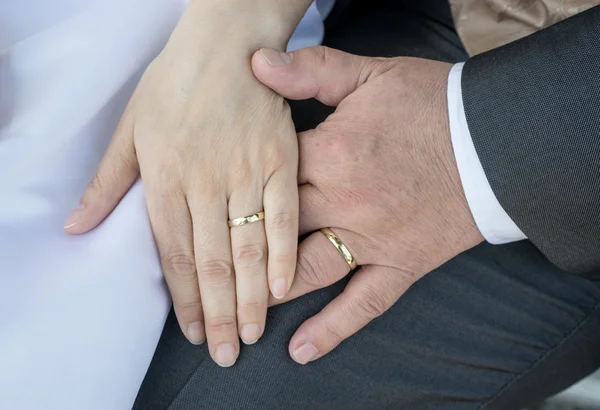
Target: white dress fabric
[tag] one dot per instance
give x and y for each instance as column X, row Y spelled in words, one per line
column 80, row 317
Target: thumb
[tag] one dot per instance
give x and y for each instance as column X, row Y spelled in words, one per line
column 117, row 172
column 370, row 293
column 323, row 73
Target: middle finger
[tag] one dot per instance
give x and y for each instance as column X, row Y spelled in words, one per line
column 215, row 275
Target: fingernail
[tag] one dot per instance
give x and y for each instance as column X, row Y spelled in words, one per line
column 195, row 333
column 305, row 353
column 74, row 217
column 275, row 58
column 250, row 334
column 279, row 288
column 226, row 355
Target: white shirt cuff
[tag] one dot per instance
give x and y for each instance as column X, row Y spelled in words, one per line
column 492, row 220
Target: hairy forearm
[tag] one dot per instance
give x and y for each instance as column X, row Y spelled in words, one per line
column 256, row 23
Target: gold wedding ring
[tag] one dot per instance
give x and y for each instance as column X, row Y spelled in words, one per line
column 339, row 245
column 233, row 223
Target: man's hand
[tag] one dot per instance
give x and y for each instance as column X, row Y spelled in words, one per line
column 381, row 172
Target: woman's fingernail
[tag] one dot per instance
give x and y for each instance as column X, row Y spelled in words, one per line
column 250, row 333
column 226, row 355
column 279, row 288
column 75, row 216
column 305, row 353
column 195, row 333
column 275, row 58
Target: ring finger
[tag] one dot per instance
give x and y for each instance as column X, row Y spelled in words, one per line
column 249, row 248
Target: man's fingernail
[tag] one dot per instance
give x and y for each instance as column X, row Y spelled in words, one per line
column 75, row 216
column 279, row 288
column 275, row 58
column 226, row 355
column 195, row 333
column 305, row 353
column 250, row 333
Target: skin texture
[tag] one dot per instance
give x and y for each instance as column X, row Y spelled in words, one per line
column 381, row 173
column 211, row 143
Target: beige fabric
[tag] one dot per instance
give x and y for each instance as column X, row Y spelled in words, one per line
column 486, row 24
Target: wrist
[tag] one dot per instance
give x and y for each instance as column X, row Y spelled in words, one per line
column 254, row 24
column 463, row 226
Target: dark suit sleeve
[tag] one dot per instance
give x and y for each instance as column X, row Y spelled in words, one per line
column 533, row 110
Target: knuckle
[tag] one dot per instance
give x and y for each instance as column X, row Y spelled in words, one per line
column 252, row 306
column 97, row 184
column 278, row 157
column 370, row 303
column 211, row 187
column 275, row 159
column 112, row 171
column 333, row 331
column 282, row 222
column 371, row 67
column 187, row 305
column 175, row 153
column 241, row 179
column 180, row 265
column 250, row 254
column 220, row 323
column 283, row 259
column 323, row 56
column 310, row 269
column 166, row 175
column 216, row 271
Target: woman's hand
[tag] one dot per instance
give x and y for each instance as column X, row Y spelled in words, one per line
column 211, row 144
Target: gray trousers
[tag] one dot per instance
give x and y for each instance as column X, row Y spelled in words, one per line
column 497, row 327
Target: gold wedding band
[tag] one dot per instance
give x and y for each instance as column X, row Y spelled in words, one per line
column 233, row 223
column 339, row 245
